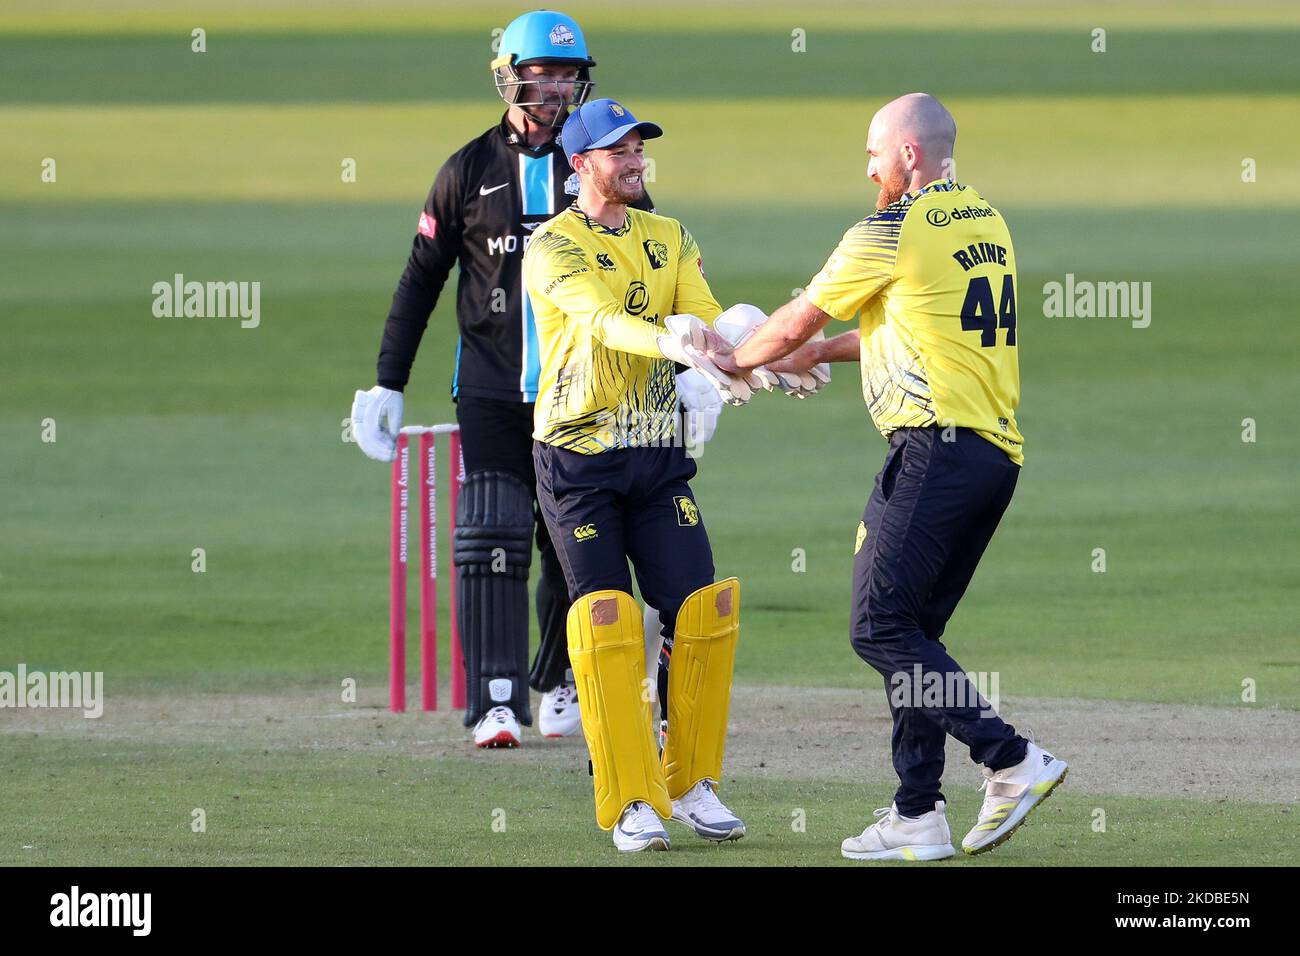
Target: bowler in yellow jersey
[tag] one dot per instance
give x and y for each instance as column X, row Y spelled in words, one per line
column 931, row 279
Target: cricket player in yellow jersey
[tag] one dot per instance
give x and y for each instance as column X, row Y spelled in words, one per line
column 612, row 483
column 931, row 279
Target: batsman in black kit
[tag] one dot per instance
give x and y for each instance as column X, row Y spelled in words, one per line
column 484, row 205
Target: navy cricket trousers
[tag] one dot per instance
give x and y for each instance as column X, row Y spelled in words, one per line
column 626, row 503
column 931, row 514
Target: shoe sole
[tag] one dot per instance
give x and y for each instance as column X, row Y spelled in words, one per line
column 570, row 733
column 714, row 836
column 1004, row 837
column 913, row 854
column 654, row 843
column 504, row 740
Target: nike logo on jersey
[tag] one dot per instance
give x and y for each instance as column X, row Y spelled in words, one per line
column 484, row 191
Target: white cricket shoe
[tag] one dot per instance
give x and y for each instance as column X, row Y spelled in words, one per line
column 701, row 810
column 497, row 728
column 896, row 837
column 1010, row 794
column 559, row 715
column 639, row 828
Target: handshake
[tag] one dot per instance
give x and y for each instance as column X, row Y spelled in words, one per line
column 690, row 342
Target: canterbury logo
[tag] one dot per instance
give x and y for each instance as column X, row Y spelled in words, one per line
column 584, row 532
column 862, row 536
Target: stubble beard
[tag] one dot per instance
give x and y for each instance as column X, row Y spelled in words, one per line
column 611, row 189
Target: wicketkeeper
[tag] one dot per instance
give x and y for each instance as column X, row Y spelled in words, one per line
column 612, row 287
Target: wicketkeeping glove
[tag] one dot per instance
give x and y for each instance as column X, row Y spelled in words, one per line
column 736, row 325
column 740, row 322
column 684, row 343
column 377, row 421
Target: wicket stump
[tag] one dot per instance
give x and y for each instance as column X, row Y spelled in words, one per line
column 428, row 472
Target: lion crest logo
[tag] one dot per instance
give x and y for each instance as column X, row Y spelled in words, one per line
column 656, row 252
column 688, row 512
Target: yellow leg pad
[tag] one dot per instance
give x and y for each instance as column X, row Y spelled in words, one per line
column 699, row 685
column 607, row 653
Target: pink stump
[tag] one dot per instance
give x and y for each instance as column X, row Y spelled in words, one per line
column 397, row 580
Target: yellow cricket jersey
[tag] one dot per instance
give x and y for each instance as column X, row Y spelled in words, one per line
column 600, row 296
column 932, row 278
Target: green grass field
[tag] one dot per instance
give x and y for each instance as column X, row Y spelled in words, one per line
column 314, row 809
column 176, row 434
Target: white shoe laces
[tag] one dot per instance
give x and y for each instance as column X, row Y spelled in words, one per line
column 882, row 815
column 638, row 808
column 705, row 795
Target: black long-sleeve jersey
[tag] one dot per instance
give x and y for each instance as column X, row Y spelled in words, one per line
column 484, row 205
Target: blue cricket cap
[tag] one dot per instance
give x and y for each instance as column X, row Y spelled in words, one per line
column 599, row 125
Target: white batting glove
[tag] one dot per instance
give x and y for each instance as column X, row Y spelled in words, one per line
column 685, row 342
column 702, row 404
column 377, row 421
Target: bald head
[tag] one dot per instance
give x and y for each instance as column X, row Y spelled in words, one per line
column 911, row 143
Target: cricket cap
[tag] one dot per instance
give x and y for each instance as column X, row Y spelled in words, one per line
column 600, row 124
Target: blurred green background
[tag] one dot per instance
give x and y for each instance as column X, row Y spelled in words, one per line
column 175, row 434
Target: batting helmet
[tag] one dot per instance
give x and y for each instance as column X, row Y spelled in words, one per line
column 542, row 37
